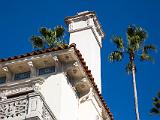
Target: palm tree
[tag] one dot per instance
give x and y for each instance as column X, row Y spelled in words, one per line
column 156, row 102
column 48, row 37
column 134, row 45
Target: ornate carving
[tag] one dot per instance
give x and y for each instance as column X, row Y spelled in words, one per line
column 13, row 109
column 21, row 86
column 30, row 63
column 15, row 91
column 5, row 69
column 36, row 87
column 87, row 96
column 45, row 114
column 19, row 108
column 55, row 58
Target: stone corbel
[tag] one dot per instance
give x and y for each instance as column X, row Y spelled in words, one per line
column 32, row 68
column 57, row 63
column 55, row 58
column 87, row 96
column 71, row 65
column 3, row 96
column 88, row 22
column 71, row 68
column 36, row 87
column 8, row 73
column 75, row 64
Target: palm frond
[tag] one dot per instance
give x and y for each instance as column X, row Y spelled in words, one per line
column 131, row 30
column 133, row 43
column 118, row 41
column 115, row 56
column 156, row 104
column 49, row 37
column 155, row 99
column 43, row 31
column 155, row 111
column 59, row 31
column 136, row 37
column 37, row 42
column 148, row 48
column 146, row 57
column 141, row 33
column 158, row 95
column 50, row 41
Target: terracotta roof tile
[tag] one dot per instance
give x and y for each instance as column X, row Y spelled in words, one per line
column 34, row 53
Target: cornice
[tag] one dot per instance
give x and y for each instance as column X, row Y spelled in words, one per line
column 83, row 17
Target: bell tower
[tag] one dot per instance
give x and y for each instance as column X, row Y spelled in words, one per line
column 86, row 32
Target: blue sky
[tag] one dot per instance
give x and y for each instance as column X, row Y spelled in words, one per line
column 21, row 19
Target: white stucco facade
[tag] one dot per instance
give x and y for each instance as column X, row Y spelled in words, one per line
column 90, row 51
column 60, row 97
column 65, row 103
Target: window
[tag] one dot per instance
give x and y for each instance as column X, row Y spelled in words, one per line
column 46, row 70
column 23, row 75
column 2, row 80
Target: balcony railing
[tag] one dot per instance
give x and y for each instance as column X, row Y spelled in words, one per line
column 26, row 107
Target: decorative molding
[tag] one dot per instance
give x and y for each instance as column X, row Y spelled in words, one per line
column 58, row 67
column 55, row 58
column 70, row 66
column 30, row 63
column 5, row 93
column 20, row 86
column 3, row 96
column 75, row 64
column 36, row 87
column 87, row 96
column 32, row 68
column 8, row 73
column 45, row 114
column 5, row 69
column 83, row 16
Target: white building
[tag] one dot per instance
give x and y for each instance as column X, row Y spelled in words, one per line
column 55, row 83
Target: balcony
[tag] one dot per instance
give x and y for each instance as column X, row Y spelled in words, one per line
column 30, row 106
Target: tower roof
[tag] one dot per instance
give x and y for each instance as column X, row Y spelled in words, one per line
column 84, row 16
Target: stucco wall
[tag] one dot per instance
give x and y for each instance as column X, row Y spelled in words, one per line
column 60, row 97
column 87, row 111
column 88, row 46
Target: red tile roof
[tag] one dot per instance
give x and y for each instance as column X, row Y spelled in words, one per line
column 88, row 72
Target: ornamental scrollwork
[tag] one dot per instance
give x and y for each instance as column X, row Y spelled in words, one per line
column 13, row 109
column 45, row 114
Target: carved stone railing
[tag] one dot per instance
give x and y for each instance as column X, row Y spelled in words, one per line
column 26, row 107
column 13, row 109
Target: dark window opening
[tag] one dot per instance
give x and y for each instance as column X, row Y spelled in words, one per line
column 46, row 70
column 20, row 76
column 2, row 80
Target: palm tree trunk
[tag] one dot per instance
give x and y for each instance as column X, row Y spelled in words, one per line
column 134, row 87
column 135, row 93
